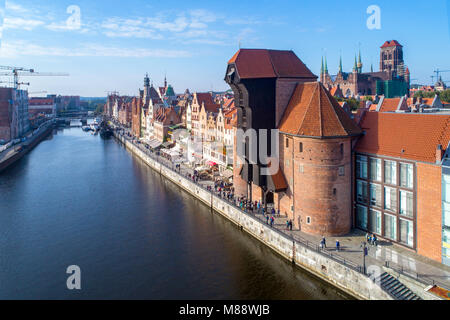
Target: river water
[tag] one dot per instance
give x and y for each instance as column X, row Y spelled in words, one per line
column 77, row 199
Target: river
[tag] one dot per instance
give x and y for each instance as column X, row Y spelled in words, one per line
column 77, row 199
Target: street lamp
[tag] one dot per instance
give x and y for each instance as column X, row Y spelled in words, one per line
column 365, row 253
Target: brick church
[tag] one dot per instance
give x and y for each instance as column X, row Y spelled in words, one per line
column 392, row 80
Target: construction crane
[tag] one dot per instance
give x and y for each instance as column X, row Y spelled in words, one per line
column 17, row 72
column 437, row 71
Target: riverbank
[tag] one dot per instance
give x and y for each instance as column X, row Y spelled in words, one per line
column 15, row 153
column 346, row 277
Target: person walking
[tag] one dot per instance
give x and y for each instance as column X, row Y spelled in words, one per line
column 290, row 224
column 338, row 245
column 272, row 220
column 324, row 241
column 287, row 224
column 267, row 219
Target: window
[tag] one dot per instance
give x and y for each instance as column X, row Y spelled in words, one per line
column 342, row 171
column 390, row 227
column 406, row 175
column 375, row 221
column 390, row 199
column 300, row 147
column 406, row 203
column 446, row 188
column 361, row 191
column 375, row 169
column 446, row 218
column 375, row 195
column 334, row 191
column 301, row 168
column 390, row 172
column 308, row 220
column 361, row 167
column 287, row 143
column 361, row 217
column 342, row 149
column 406, row 232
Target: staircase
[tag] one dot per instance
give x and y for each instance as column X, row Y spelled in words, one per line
column 395, row 288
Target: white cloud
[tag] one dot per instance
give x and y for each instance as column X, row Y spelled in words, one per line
column 23, row 48
column 20, row 23
column 12, row 6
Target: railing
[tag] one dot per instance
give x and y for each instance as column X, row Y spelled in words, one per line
column 295, row 238
column 418, row 277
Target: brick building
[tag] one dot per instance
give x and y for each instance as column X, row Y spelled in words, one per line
column 399, row 182
column 392, row 80
column 14, row 118
column 275, row 90
column 136, row 105
column 385, row 172
column 45, row 106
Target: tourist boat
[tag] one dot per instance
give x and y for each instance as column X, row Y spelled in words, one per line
column 86, row 128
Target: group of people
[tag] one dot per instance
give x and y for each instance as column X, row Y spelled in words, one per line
column 371, row 239
column 323, row 244
column 289, row 225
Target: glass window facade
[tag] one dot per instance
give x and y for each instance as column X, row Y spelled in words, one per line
column 406, row 175
column 361, row 167
column 390, row 172
column 375, row 221
column 390, row 199
column 361, row 217
column 446, row 216
column 390, row 227
column 361, row 191
column 385, row 199
column 375, row 169
column 406, row 203
column 407, row 232
column 375, row 195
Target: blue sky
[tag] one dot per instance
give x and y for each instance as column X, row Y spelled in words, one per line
column 117, row 42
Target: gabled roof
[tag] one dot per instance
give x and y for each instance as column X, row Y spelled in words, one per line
column 392, row 43
column 313, row 112
column 404, row 135
column 263, row 63
column 390, row 104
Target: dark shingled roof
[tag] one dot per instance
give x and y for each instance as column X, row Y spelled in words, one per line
column 263, row 63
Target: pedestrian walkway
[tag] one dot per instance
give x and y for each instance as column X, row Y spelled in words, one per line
column 397, row 257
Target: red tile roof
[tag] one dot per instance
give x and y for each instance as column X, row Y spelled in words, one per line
column 404, row 135
column 390, row 104
column 393, row 43
column 263, row 63
column 313, row 112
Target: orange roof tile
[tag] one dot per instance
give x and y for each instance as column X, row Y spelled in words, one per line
column 263, row 63
column 390, row 104
column 404, row 135
column 313, row 112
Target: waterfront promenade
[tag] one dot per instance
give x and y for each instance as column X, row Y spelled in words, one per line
column 400, row 260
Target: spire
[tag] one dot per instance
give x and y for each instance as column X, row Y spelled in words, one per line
column 371, row 67
column 340, row 64
column 321, row 68
column 360, row 65
column 326, row 66
column 355, row 67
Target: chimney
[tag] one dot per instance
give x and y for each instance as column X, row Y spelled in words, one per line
column 439, row 153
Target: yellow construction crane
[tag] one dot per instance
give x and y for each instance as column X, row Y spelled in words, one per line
column 17, row 72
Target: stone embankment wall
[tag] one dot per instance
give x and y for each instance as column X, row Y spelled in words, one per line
column 337, row 274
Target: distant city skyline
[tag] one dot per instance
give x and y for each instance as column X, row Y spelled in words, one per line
column 110, row 46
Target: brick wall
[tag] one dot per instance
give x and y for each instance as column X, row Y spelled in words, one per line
column 429, row 211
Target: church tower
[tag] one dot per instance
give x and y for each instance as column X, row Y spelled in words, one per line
column 391, row 57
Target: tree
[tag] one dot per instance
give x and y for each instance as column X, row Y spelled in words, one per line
column 445, row 96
